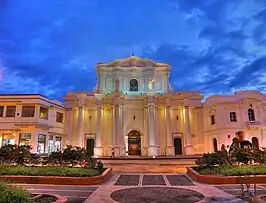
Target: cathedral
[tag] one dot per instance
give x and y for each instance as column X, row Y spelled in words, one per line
column 133, row 111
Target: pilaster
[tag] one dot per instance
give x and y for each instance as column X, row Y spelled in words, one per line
column 80, row 123
column 18, row 113
column 98, row 149
column 188, row 138
column 37, row 111
column 118, row 139
column 153, row 149
column 170, row 150
column 4, row 112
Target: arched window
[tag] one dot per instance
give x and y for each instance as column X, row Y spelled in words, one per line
column 255, row 143
column 215, row 147
column 133, row 85
column 251, row 115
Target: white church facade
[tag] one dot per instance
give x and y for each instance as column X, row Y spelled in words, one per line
column 133, row 111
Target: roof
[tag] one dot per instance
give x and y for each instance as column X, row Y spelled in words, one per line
column 22, row 95
column 42, row 97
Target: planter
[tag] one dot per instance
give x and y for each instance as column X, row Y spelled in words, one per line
column 59, row 199
column 58, row 180
column 215, row 179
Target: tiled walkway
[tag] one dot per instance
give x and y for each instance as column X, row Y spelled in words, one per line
column 151, row 184
column 145, row 180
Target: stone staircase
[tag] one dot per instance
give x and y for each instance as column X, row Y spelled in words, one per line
column 157, row 165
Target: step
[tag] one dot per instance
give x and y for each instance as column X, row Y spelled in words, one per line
column 149, row 166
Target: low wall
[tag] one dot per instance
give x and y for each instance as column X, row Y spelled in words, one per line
column 58, row 180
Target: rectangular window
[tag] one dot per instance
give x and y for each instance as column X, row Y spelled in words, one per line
column 43, row 113
column 28, row 111
column 58, row 143
column 8, row 139
column 59, row 117
column 1, row 111
column 212, row 119
column 41, row 144
column 10, row 111
column 50, row 144
column 233, row 117
column 24, row 138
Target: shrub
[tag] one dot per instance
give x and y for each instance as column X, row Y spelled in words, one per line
column 14, row 194
column 15, row 154
column 243, row 155
column 100, row 166
column 91, row 162
column 74, row 154
column 214, row 159
column 259, row 156
column 55, row 158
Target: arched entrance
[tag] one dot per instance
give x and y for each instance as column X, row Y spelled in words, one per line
column 178, row 145
column 134, row 143
column 255, row 143
column 90, row 147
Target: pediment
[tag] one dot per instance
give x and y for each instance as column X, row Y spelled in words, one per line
column 132, row 61
column 248, row 100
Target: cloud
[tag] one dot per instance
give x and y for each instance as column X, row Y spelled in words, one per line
column 214, row 46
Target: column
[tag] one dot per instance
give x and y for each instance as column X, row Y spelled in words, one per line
column 34, row 140
column 4, row 113
column 68, row 138
column 188, row 138
column 145, row 132
column 46, row 142
column 37, row 111
column 152, row 148
column 117, row 130
column 170, row 150
column 121, row 138
column 80, row 130
column 18, row 111
column 98, row 149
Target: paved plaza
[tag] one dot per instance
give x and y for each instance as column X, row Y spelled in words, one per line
column 149, row 188
column 159, row 188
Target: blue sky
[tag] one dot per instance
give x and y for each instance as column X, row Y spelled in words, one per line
column 52, row 46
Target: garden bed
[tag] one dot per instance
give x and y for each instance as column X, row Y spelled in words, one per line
column 234, row 170
column 222, row 179
column 47, row 171
column 57, row 175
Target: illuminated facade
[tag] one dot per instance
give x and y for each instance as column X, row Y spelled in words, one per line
column 133, row 111
column 225, row 115
column 32, row 119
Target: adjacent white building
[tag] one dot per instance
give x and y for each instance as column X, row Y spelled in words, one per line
column 32, row 119
column 133, row 111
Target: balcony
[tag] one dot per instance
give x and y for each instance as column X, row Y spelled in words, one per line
column 253, row 124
